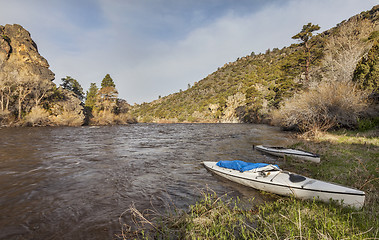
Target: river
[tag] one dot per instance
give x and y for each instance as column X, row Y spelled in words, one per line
column 75, row 182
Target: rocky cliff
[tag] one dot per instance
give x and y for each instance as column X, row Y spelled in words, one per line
column 27, row 94
column 18, row 49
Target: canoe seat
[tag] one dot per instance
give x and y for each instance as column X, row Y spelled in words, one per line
column 296, row 178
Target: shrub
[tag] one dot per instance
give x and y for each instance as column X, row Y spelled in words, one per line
column 328, row 105
column 108, row 118
column 102, row 118
column 367, row 124
column 5, row 117
column 67, row 118
column 37, row 117
column 125, row 118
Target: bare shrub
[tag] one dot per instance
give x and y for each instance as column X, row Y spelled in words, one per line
column 67, row 118
column 5, row 117
column 125, row 118
column 37, row 117
column 327, row 106
column 104, row 117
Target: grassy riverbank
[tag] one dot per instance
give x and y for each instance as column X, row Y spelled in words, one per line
column 348, row 158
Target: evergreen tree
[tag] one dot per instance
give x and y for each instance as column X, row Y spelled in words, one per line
column 305, row 35
column 108, row 89
column 108, row 94
column 73, row 85
column 91, row 96
column 366, row 74
column 107, row 82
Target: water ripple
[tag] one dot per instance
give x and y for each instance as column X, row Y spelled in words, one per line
column 73, row 183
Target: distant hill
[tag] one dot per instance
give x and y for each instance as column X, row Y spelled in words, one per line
column 253, row 86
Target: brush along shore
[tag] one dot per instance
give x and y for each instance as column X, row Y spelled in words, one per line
column 347, row 158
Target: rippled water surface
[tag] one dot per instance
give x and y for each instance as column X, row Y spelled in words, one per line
column 74, row 183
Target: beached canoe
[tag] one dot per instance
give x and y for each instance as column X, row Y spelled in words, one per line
column 282, row 152
column 270, row 178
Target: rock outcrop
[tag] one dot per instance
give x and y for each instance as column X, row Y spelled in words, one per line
column 18, row 49
column 27, row 94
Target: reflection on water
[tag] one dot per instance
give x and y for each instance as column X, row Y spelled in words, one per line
column 74, row 183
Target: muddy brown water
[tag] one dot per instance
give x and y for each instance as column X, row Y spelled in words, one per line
column 75, row 182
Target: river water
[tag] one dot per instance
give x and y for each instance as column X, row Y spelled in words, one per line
column 75, row 182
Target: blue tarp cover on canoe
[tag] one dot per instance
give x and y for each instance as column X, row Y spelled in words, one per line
column 240, row 165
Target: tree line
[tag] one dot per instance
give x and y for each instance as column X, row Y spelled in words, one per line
column 29, row 100
column 102, row 105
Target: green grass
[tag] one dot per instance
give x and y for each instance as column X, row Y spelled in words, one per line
column 347, row 158
column 214, row 217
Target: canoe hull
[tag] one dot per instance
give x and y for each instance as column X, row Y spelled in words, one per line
column 279, row 183
column 290, row 153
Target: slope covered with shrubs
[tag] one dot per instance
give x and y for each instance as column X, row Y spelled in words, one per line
column 238, row 91
column 262, row 87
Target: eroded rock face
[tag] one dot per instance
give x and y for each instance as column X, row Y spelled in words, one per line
column 26, row 83
column 18, row 50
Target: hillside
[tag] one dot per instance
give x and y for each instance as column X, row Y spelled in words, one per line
column 252, row 87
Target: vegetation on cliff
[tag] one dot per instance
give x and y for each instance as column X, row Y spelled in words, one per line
column 104, row 106
column 28, row 96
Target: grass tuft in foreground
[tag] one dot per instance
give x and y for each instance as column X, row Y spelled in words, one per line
column 214, row 217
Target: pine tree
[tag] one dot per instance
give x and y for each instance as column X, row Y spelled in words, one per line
column 366, row 74
column 108, row 89
column 91, row 96
column 107, row 82
column 305, row 35
column 73, row 85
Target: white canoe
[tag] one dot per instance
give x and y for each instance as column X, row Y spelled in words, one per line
column 281, row 152
column 286, row 183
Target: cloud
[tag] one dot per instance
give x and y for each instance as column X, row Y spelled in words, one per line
column 154, row 48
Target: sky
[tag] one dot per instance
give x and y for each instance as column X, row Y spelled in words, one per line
column 153, row 48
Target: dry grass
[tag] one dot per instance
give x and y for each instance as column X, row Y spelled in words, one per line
column 370, row 138
column 328, row 105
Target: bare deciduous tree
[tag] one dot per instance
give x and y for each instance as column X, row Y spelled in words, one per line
column 345, row 48
column 6, row 92
column 23, row 89
column 41, row 89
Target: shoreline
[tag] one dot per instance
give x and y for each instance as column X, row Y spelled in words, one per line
column 346, row 158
